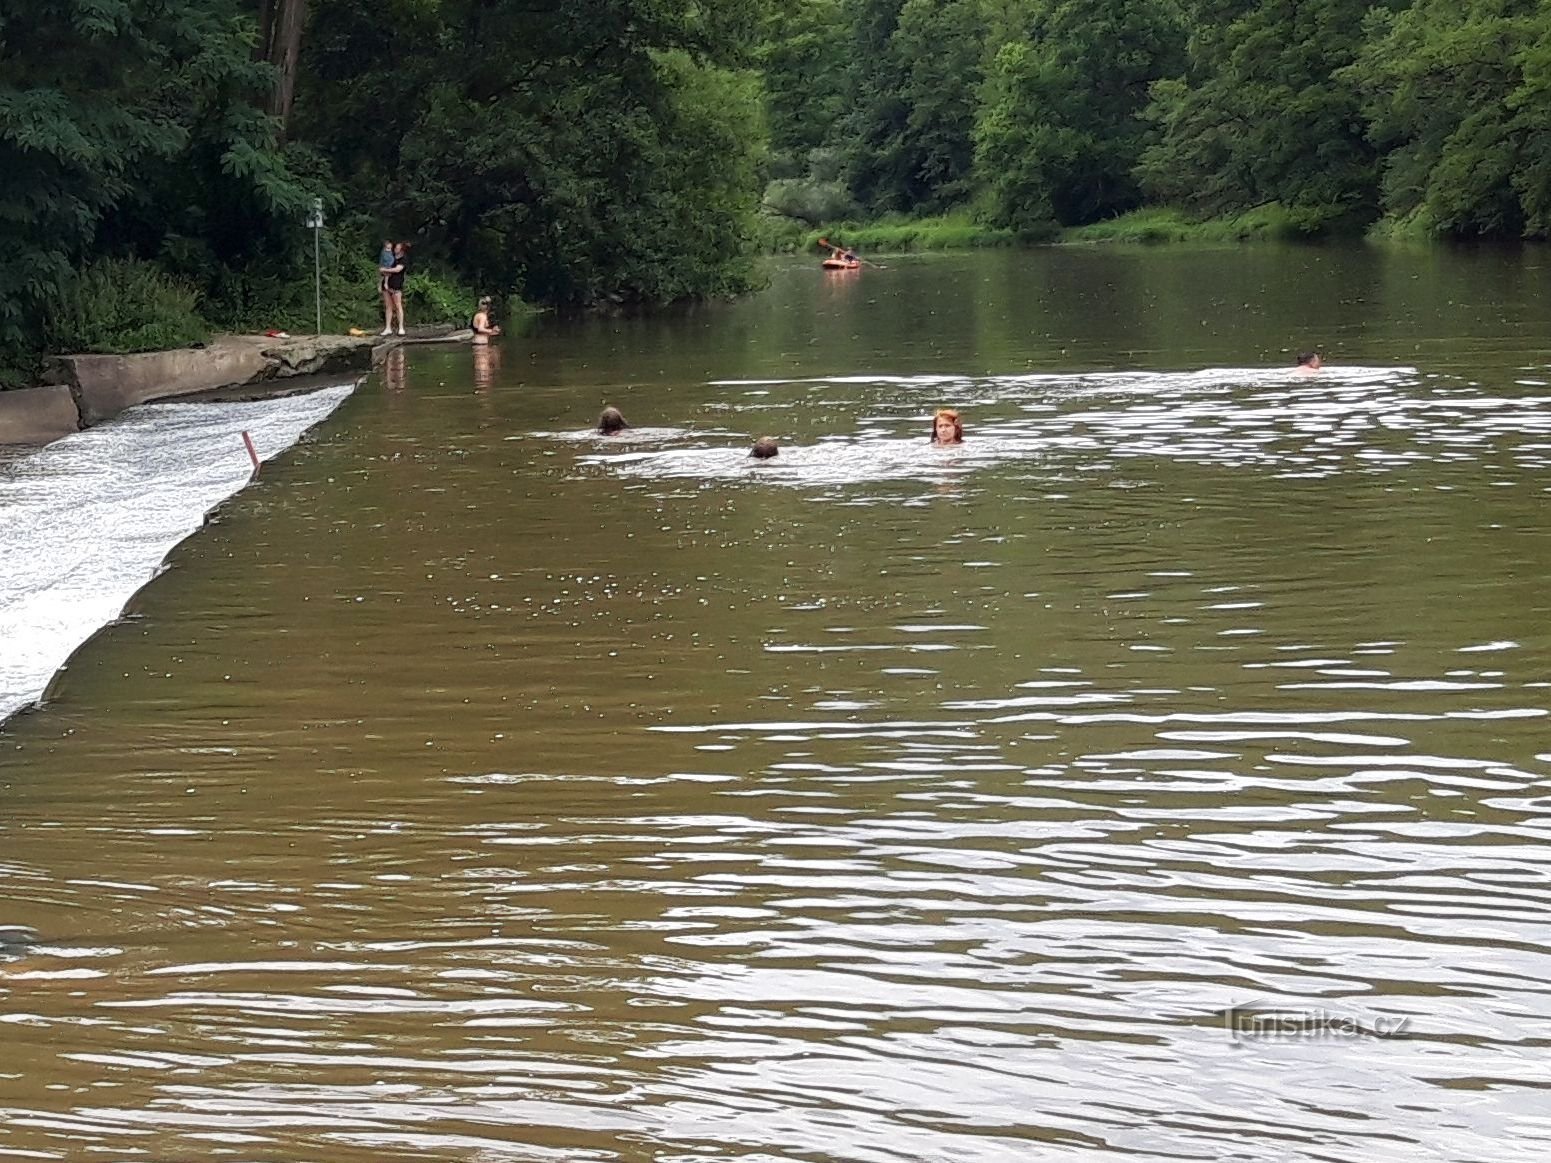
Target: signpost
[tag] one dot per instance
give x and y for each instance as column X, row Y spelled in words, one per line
column 315, row 220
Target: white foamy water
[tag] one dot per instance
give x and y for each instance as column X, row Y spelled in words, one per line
column 1346, row 420
column 88, row 520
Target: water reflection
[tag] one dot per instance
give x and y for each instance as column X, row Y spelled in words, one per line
column 487, row 365
column 395, row 370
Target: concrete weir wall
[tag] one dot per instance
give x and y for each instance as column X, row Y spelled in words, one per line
column 88, row 389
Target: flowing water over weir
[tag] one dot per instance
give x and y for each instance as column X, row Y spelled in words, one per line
column 1163, row 774
column 86, row 522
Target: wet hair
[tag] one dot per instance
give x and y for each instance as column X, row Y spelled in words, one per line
column 1307, row 357
column 764, row 448
column 958, row 425
column 611, row 421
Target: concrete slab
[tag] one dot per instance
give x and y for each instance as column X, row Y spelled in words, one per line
column 107, row 384
column 31, row 416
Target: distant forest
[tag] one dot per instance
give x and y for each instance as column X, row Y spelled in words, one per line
column 158, row 157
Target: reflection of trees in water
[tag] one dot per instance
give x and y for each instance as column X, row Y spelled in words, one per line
column 487, row 362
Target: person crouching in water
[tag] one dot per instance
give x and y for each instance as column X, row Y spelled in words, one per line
column 611, row 422
column 947, row 428
column 764, row 448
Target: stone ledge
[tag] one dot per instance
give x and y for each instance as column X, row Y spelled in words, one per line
column 83, row 390
column 37, row 415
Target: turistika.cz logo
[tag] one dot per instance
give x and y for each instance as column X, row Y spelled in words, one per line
column 1247, row 1024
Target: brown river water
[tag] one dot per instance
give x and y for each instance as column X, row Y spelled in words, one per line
column 1162, row 775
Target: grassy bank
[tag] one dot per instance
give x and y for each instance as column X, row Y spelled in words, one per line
column 1271, row 222
column 892, row 235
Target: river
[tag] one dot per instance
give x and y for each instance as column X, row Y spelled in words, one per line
column 1162, row 774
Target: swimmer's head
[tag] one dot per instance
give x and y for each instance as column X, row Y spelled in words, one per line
column 947, row 428
column 764, row 448
column 611, row 421
column 1309, row 359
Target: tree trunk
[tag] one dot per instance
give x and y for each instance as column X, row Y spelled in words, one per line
column 280, row 40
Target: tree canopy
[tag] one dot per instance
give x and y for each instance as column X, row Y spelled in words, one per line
column 581, row 151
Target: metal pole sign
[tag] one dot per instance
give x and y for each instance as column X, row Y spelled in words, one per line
column 315, row 221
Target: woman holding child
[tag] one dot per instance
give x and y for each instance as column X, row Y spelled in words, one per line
column 392, row 264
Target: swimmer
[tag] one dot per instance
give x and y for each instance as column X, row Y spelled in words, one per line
column 1308, row 363
column 611, row 422
column 764, row 448
column 483, row 328
column 947, row 428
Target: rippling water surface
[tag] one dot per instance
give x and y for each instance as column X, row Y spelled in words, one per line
column 1162, row 775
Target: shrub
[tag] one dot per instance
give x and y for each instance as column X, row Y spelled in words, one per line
column 431, row 299
column 809, row 200
column 123, row 305
column 775, row 234
column 957, row 231
column 1270, row 221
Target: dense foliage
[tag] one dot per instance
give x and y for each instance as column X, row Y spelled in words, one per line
column 1060, row 129
column 1031, row 114
column 564, row 150
column 157, row 157
column 127, row 128
column 569, row 150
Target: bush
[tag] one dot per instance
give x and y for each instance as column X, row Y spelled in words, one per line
column 1139, row 226
column 430, row 299
column 809, row 200
column 957, row 231
column 122, row 306
column 1269, row 222
column 1417, row 226
column 774, row 234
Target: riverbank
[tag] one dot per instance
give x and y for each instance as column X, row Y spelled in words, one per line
column 84, row 390
column 1271, row 222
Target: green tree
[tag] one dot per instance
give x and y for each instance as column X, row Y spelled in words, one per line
column 1458, row 96
column 1265, row 113
column 100, row 101
column 570, row 150
column 916, row 70
column 1060, row 130
column 802, row 57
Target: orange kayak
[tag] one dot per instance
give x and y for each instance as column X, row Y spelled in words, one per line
column 840, row 264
